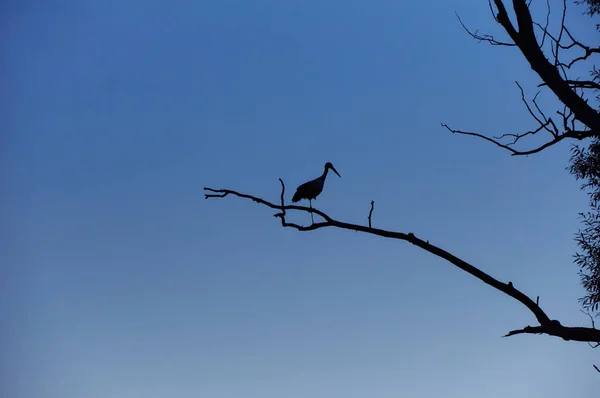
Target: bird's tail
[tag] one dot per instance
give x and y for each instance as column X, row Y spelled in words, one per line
column 296, row 197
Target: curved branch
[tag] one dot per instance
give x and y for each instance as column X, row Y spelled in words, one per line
column 546, row 325
column 570, row 134
column 485, row 37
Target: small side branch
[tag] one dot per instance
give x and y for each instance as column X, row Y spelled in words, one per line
column 282, row 214
column 546, row 325
column 595, row 345
column 583, row 84
column 515, row 152
column 554, row 328
column 588, row 51
column 544, row 123
column 371, row 212
column 591, row 318
column 485, row 37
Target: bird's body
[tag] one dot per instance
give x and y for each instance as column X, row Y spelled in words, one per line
column 311, row 189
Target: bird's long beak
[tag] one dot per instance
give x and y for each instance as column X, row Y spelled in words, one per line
column 335, row 171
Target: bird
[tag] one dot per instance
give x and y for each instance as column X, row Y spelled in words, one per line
column 311, row 189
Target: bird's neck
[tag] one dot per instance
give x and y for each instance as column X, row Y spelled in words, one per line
column 324, row 175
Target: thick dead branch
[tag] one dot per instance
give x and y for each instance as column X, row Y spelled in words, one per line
column 556, row 329
column 595, row 345
column 546, row 325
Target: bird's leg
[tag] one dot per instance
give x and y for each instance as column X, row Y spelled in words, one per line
column 311, row 214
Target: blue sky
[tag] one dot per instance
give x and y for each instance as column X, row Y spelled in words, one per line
column 122, row 281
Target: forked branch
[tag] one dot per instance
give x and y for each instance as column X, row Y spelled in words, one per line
column 546, row 325
column 552, row 73
column 577, row 134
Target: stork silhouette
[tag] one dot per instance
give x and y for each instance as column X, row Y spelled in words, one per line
column 311, row 189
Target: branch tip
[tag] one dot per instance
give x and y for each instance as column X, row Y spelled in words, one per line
column 371, row 212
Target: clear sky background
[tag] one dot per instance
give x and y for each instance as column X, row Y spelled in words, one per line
column 120, row 280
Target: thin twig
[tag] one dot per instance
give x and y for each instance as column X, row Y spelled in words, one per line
column 485, row 37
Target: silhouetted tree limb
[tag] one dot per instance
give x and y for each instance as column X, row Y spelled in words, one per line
column 553, row 75
column 485, row 37
column 546, row 325
column 583, row 84
column 370, row 212
column 571, row 134
column 525, row 39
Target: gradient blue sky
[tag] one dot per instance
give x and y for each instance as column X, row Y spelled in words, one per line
column 120, row 280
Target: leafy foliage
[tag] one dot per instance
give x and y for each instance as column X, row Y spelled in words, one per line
column 585, row 165
column 593, row 6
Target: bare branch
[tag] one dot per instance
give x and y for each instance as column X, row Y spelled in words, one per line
column 567, row 333
column 569, row 134
column 485, row 37
column 547, row 326
column 545, row 28
column 576, row 107
column 492, row 10
column 591, row 318
column 584, row 84
column 527, row 330
column 555, row 131
column 595, row 367
column 371, row 212
column 562, row 29
column 543, row 124
column 282, row 195
column 588, row 51
column 221, row 193
column 525, row 39
column 504, row 146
